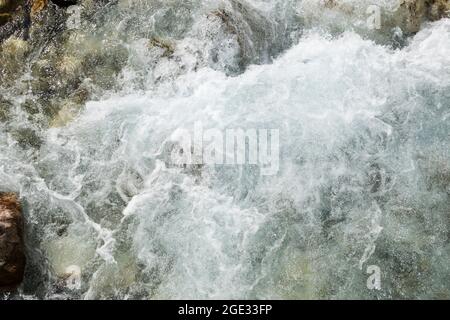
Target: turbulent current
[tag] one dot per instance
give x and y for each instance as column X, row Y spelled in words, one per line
column 363, row 181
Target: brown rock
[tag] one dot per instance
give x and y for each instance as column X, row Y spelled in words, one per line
column 12, row 253
column 415, row 12
column 37, row 6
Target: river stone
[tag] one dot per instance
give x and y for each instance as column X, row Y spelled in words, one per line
column 38, row 5
column 12, row 255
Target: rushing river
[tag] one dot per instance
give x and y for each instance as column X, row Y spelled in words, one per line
column 363, row 179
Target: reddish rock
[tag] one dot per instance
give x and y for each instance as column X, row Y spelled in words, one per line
column 12, row 253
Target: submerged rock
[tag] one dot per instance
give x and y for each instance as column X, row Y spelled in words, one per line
column 5, row 107
column 12, row 256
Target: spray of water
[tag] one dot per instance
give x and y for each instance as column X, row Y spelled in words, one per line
column 364, row 158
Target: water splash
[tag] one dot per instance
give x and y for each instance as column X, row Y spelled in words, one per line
column 363, row 177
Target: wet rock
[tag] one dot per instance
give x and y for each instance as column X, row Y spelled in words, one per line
column 396, row 18
column 256, row 36
column 13, row 53
column 12, row 256
column 7, row 10
column 10, row 25
column 407, row 271
column 5, row 109
column 67, row 113
column 27, row 138
column 418, row 11
column 439, row 9
column 38, row 6
column 164, row 45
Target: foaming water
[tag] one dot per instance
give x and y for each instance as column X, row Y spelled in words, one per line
column 363, row 180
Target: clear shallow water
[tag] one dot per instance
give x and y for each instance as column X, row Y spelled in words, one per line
column 363, row 180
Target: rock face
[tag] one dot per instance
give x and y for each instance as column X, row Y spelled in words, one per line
column 12, row 255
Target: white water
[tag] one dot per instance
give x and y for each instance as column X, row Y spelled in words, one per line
column 363, row 178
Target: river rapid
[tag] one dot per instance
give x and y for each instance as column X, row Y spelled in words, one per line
column 363, row 179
